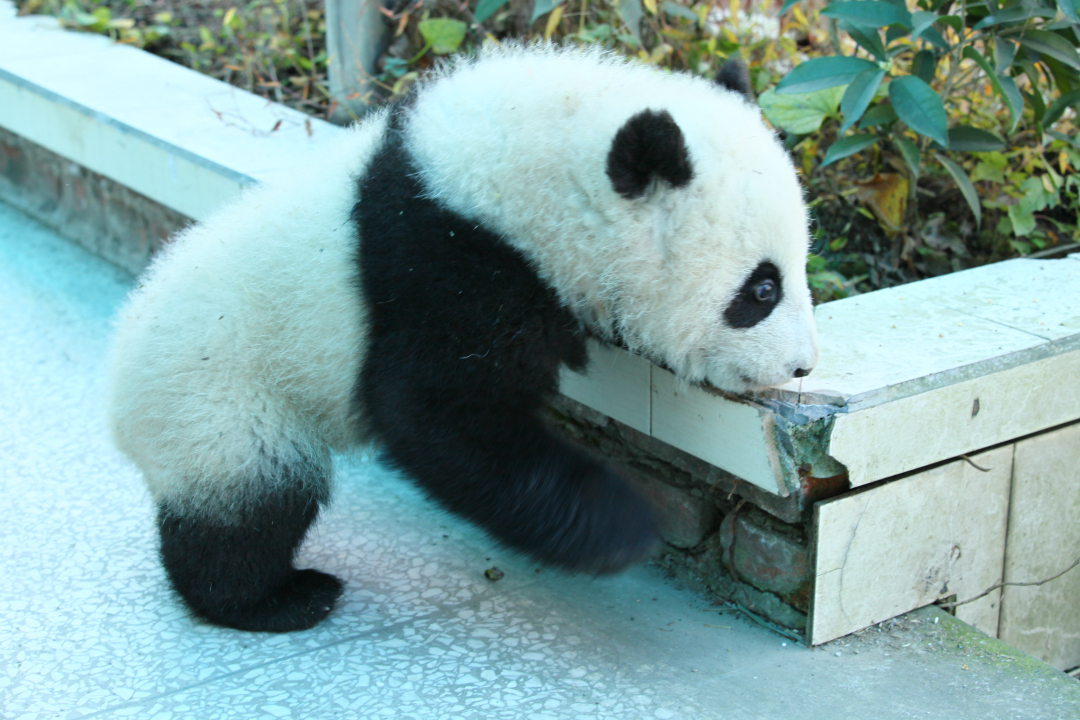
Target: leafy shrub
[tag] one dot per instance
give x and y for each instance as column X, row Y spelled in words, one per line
column 274, row 48
column 931, row 138
column 982, row 84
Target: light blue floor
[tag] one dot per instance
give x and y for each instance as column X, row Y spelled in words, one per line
column 88, row 627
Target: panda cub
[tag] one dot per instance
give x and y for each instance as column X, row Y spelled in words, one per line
column 420, row 289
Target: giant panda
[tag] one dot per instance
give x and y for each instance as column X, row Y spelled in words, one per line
column 420, row 288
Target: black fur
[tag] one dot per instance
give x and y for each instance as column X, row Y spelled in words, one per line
column 465, row 344
column 649, row 145
column 241, row 574
column 746, row 310
column 734, row 75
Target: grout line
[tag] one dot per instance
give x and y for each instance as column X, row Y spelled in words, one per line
column 1008, row 528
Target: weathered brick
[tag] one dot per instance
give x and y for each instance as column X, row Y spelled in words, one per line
column 766, row 558
column 106, row 218
column 684, row 518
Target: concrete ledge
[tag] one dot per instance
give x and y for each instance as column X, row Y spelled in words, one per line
column 180, row 138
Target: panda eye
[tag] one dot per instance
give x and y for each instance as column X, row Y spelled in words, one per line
column 765, row 291
column 756, row 298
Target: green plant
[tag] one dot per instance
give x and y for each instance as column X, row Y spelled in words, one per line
column 275, row 48
column 1002, row 67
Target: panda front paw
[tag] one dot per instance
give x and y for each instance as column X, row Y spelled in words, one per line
column 606, row 526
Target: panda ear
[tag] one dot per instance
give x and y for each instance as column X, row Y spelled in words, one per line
column 735, row 76
column 648, row 145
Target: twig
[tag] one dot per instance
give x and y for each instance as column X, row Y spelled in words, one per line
column 973, row 464
column 1053, row 251
column 991, row 589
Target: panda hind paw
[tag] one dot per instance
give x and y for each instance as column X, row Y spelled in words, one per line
column 300, row 604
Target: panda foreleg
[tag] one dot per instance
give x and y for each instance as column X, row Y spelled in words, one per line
column 495, row 463
column 234, row 567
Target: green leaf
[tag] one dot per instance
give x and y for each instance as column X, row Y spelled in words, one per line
column 821, row 73
column 1056, row 108
column 1007, row 95
column 1035, row 100
column 924, row 65
column 487, row 8
column 920, row 107
column 1004, row 54
column 872, row 13
column 954, row 21
column 444, row 35
column 964, row 183
column 910, row 152
column 920, row 21
column 970, row 139
column 1023, row 222
column 846, row 146
column 1015, row 99
column 543, row 7
column 1013, row 15
column 631, row 13
column 858, row 96
column 1052, row 44
column 1068, row 7
column 788, row 4
column 935, row 38
column 869, row 39
column 800, row 114
column 674, row 8
column 878, row 115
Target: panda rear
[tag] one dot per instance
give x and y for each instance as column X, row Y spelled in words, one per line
column 411, row 297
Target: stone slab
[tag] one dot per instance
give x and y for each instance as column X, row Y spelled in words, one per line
column 907, row 543
column 986, row 410
column 616, row 383
column 1040, row 297
column 733, row 435
column 179, row 137
column 1044, row 539
column 893, row 343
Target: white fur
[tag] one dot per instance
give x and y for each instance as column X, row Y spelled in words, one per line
column 245, row 337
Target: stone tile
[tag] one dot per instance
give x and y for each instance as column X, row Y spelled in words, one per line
column 982, row 411
column 1041, row 297
column 1044, row 539
column 909, row 542
column 872, row 345
column 616, row 384
column 730, row 434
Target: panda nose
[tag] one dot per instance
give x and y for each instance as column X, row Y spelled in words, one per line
column 799, row 372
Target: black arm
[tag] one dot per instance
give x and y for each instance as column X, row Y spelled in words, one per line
column 465, row 346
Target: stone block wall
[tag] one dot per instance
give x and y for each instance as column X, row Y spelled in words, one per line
column 721, row 535
column 105, row 217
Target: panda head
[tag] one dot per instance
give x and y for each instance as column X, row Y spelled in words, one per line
column 659, row 206
column 718, row 235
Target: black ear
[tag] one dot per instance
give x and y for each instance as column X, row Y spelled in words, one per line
column 649, row 144
column 734, row 76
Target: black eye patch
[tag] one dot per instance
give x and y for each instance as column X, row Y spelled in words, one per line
column 757, row 297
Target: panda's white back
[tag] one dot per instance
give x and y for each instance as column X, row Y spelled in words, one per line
column 247, row 329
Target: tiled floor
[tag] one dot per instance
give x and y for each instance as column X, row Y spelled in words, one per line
column 88, row 627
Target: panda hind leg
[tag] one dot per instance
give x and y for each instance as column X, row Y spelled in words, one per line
column 239, row 572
